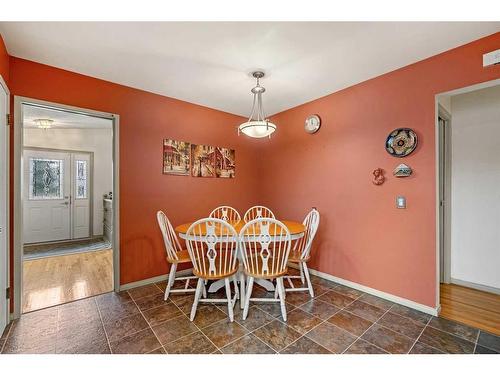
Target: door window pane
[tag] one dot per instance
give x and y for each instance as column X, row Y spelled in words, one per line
column 81, row 179
column 46, row 178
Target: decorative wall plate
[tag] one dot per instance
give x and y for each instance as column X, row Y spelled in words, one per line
column 402, row 170
column 401, row 142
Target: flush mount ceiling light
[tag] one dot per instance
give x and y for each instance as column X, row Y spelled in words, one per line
column 43, row 123
column 257, row 125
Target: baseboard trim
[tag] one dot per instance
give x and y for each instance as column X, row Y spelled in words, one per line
column 481, row 287
column 155, row 279
column 390, row 297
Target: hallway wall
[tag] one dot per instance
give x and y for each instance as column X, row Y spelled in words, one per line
column 475, row 193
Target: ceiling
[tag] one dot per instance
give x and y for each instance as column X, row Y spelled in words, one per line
column 62, row 119
column 208, row 63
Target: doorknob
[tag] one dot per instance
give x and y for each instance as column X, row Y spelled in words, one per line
column 65, row 203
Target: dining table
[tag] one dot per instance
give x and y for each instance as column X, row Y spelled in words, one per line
column 296, row 230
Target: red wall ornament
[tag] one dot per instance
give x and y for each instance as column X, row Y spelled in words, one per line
column 378, row 176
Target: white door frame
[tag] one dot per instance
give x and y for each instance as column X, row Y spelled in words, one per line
column 7, row 206
column 91, row 187
column 445, row 184
column 439, row 180
column 18, row 201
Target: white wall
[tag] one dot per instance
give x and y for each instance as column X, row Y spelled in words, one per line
column 98, row 141
column 475, row 210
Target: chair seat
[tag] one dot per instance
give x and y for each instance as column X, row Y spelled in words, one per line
column 182, row 257
column 295, row 257
column 219, row 274
column 257, row 271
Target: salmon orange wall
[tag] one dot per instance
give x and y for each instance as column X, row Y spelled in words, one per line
column 145, row 119
column 362, row 236
column 4, row 61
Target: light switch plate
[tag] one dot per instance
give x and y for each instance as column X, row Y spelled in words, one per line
column 400, row 202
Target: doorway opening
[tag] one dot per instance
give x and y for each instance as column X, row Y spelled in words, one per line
column 66, row 245
column 468, row 207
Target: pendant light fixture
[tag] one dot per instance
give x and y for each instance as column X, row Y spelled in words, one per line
column 257, row 125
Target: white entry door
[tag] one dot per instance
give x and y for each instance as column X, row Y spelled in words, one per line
column 4, row 141
column 47, row 194
column 81, row 202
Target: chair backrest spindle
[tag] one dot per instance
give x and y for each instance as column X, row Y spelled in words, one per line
column 226, row 213
column 257, row 212
column 303, row 244
column 265, row 246
column 172, row 245
column 212, row 245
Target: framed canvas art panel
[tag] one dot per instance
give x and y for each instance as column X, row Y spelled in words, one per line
column 176, row 157
column 203, row 161
column 225, row 162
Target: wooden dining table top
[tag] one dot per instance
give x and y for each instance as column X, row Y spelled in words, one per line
column 294, row 227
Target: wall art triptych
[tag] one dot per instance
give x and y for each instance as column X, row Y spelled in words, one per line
column 184, row 159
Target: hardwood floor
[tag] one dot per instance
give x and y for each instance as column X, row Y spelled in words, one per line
column 472, row 307
column 55, row 280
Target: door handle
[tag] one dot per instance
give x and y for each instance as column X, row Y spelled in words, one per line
column 65, row 203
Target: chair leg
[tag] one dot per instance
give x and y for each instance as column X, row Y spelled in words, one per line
column 276, row 290
column 248, row 294
column 301, row 273
column 204, row 291
column 197, row 294
column 308, row 278
column 236, row 290
column 242, row 290
column 281, row 290
column 171, row 279
column 229, row 301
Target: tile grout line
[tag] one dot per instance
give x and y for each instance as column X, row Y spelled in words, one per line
column 350, row 312
column 104, row 327
column 453, row 334
column 252, row 331
column 140, row 312
column 359, row 337
column 249, row 332
column 430, row 317
column 421, row 333
column 198, row 328
column 477, row 339
column 149, row 325
column 395, row 313
column 322, row 321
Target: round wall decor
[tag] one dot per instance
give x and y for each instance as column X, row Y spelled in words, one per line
column 312, row 124
column 401, row 142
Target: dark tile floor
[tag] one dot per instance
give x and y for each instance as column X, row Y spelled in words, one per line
column 338, row 320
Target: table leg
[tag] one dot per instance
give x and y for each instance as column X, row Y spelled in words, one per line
column 215, row 286
column 268, row 285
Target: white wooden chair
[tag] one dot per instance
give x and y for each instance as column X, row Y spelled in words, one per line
column 265, row 246
column 226, row 213
column 301, row 253
column 175, row 255
column 213, row 245
column 256, row 212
